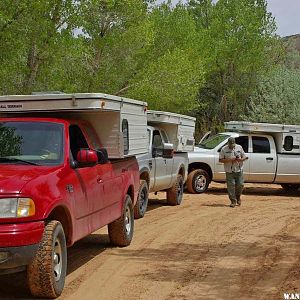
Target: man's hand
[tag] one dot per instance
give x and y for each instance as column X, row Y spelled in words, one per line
column 239, row 159
column 226, row 160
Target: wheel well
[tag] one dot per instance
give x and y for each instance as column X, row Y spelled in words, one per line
column 203, row 166
column 145, row 176
column 130, row 192
column 62, row 215
column 181, row 171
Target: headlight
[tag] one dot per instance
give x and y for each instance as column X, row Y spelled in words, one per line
column 16, row 207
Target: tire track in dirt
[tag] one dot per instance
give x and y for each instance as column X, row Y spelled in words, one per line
column 258, row 280
column 200, row 250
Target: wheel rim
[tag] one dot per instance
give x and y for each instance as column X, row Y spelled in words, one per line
column 143, row 199
column 200, row 182
column 128, row 221
column 57, row 260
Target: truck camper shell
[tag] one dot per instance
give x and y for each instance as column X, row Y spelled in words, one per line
column 287, row 137
column 179, row 128
column 120, row 123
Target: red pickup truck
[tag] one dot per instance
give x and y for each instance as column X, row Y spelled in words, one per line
column 57, row 186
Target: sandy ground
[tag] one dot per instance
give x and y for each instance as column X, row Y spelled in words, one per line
column 201, row 249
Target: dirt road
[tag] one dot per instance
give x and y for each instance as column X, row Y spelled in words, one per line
column 200, row 250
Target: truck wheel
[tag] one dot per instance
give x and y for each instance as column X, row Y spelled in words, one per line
column 46, row 274
column 198, row 181
column 289, row 187
column 142, row 200
column 120, row 231
column 175, row 193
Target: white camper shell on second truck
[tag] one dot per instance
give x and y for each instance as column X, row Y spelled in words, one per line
column 165, row 166
column 273, row 151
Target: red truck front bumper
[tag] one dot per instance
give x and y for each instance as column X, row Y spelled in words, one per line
column 18, row 245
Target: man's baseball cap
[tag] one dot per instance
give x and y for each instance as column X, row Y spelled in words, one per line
column 231, row 141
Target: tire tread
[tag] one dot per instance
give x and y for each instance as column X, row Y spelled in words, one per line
column 40, row 272
column 172, row 192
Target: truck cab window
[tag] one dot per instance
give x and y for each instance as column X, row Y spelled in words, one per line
column 157, row 143
column 77, row 140
column 244, row 142
column 164, row 136
column 261, row 144
column 157, row 140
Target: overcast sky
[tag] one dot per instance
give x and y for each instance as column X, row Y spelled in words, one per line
column 286, row 13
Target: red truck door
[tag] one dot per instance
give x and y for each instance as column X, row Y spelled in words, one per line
column 87, row 187
column 113, row 186
column 109, row 180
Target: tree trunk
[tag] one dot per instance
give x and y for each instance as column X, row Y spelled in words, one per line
column 33, row 63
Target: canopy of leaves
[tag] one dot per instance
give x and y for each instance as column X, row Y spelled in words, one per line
column 276, row 99
column 203, row 58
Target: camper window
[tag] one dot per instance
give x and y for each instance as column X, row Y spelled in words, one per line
column 288, row 143
column 125, row 131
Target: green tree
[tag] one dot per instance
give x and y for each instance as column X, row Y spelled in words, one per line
column 276, row 99
column 171, row 71
column 115, row 33
column 32, row 36
column 238, row 44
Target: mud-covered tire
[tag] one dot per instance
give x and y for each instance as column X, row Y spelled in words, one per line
column 198, row 181
column 47, row 272
column 175, row 193
column 141, row 205
column 120, row 231
column 289, row 187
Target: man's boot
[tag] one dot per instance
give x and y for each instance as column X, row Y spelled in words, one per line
column 233, row 204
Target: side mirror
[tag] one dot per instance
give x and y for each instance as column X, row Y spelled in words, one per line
column 102, row 156
column 86, row 158
column 168, row 150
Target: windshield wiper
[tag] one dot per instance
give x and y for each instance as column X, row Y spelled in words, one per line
column 8, row 159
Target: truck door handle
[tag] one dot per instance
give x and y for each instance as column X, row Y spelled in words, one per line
column 99, row 180
column 269, row 158
column 124, row 170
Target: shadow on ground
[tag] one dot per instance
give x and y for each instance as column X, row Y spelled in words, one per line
column 14, row 286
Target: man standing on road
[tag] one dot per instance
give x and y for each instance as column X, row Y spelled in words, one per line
column 233, row 155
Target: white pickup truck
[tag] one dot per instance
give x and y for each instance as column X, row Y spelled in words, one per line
column 273, row 151
column 164, row 167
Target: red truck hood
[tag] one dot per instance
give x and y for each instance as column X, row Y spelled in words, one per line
column 13, row 178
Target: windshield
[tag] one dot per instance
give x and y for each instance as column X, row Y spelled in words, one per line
column 35, row 143
column 213, row 141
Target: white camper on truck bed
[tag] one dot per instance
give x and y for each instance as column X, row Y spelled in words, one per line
column 273, row 151
column 283, row 134
column 164, row 167
column 121, row 126
column 179, row 128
